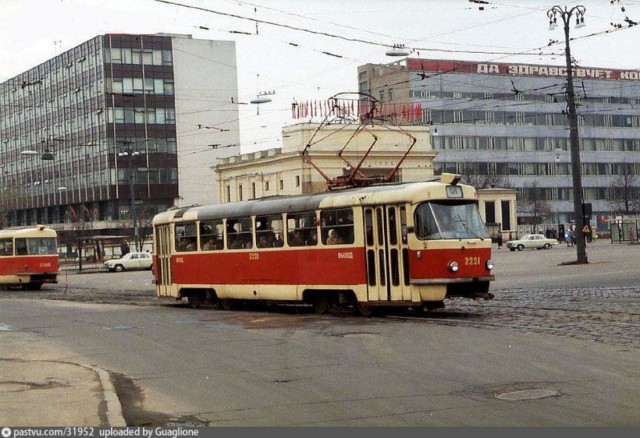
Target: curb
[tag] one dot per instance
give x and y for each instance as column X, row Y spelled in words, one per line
column 114, row 408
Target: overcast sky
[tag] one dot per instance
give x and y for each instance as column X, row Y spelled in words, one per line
column 310, row 49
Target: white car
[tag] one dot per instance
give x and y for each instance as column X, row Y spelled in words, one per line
column 537, row 241
column 130, row 261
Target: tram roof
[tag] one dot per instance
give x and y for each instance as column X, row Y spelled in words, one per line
column 29, row 231
column 374, row 194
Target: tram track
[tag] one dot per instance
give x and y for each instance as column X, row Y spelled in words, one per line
column 603, row 315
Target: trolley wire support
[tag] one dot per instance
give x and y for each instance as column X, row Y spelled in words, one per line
column 369, row 112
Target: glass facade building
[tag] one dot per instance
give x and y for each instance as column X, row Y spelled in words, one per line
column 65, row 124
column 507, row 125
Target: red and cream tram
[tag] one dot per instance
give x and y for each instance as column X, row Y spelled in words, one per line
column 403, row 244
column 28, row 257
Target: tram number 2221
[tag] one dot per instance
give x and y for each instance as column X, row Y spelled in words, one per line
column 471, row 261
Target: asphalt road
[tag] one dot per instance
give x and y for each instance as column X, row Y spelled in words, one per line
column 558, row 346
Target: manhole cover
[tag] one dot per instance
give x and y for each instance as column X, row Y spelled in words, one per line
column 13, row 387
column 527, row 394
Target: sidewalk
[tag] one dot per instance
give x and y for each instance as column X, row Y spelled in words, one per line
column 41, row 385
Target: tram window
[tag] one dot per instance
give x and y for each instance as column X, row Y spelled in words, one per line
column 337, row 226
column 6, row 247
column 393, row 226
column 240, row 233
column 186, row 237
column 403, row 223
column 368, row 220
column 211, row 235
column 21, row 247
column 371, row 267
column 395, row 273
column 382, row 267
column 302, row 229
column 447, row 220
column 380, row 229
column 38, row 245
column 267, row 229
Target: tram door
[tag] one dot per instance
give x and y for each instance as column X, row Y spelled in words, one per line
column 387, row 253
column 164, row 281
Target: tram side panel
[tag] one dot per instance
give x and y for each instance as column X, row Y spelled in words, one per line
column 23, row 270
column 271, row 274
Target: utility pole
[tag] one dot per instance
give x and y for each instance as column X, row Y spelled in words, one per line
column 574, row 139
column 130, row 153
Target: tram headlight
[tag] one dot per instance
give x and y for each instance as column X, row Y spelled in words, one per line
column 453, row 266
column 490, row 264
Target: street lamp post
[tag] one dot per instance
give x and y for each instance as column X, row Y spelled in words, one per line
column 130, row 153
column 576, row 171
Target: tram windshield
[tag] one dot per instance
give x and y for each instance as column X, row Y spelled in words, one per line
column 447, row 220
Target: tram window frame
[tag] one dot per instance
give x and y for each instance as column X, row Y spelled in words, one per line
column 239, row 237
column 340, row 220
column 305, row 224
column 267, row 228
column 6, row 247
column 212, row 230
column 186, row 237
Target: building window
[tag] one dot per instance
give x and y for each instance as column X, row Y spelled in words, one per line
column 167, row 58
column 253, row 190
column 297, row 180
column 506, row 215
column 281, row 184
column 266, row 186
column 240, row 192
column 490, row 212
column 228, row 195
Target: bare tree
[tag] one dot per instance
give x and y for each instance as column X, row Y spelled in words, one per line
column 626, row 191
column 7, row 200
column 145, row 229
column 471, row 175
column 534, row 202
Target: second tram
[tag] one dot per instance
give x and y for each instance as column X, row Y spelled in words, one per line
column 28, row 257
column 388, row 245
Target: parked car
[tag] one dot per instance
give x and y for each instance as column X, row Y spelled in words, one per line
column 130, row 261
column 537, row 241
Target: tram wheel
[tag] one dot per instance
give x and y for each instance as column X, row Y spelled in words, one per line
column 194, row 300
column 320, row 305
column 433, row 305
column 227, row 304
column 364, row 310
